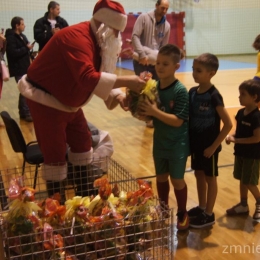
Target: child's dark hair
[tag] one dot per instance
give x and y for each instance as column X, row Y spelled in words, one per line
column 16, row 20
column 256, row 43
column 209, row 61
column 172, row 50
column 252, row 87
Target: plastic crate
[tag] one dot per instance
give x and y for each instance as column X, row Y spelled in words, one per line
column 131, row 238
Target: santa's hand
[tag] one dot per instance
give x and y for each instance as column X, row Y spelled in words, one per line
column 123, row 102
column 136, row 84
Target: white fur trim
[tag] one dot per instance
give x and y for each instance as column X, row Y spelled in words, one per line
column 39, row 96
column 111, row 18
column 54, row 173
column 105, row 85
column 111, row 101
column 80, row 158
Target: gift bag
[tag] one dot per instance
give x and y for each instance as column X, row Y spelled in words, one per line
column 4, row 71
column 149, row 92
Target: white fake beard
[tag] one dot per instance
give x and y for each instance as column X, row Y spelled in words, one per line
column 110, row 48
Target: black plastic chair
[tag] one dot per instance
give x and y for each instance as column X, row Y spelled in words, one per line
column 31, row 151
column 3, row 197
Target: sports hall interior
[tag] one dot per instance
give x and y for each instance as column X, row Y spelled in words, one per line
column 224, row 28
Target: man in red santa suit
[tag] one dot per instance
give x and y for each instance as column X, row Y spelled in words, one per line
column 76, row 63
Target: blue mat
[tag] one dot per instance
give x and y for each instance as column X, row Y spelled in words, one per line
column 186, row 65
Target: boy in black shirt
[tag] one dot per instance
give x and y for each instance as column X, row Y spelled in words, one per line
column 206, row 112
column 247, row 147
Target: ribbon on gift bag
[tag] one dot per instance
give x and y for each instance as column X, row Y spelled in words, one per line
column 4, row 70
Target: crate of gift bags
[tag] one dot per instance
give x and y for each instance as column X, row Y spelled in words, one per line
column 118, row 217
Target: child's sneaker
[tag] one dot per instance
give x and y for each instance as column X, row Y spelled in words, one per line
column 182, row 220
column 194, row 212
column 257, row 212
column 203, row 220
column 238, row 210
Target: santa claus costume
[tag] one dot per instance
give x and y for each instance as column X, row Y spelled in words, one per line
column 64, row 76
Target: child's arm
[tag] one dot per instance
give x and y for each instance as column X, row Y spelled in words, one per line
column 255, row 138
column 227, row 125
column 149, row 108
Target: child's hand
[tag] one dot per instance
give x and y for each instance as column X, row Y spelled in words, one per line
column 230, row 139
column 227, row 140
column 208, row 152
column 147, row 107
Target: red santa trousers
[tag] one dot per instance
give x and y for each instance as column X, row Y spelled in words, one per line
column 56, row 131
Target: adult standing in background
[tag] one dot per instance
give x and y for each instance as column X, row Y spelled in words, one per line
column 18, row 56
column 151, row 31
column 45, row 27
column 2, row 53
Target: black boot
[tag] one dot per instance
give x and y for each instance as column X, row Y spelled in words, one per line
column 84, row 177
column 56, row 187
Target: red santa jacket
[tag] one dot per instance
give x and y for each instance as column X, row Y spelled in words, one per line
column 68, row 66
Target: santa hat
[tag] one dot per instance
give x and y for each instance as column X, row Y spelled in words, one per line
column 110, row 13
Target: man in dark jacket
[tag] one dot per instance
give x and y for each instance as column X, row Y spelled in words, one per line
column 45, row 27
column 18, row 57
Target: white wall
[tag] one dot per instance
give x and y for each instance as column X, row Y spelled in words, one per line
column 217, row 26
column 222, row 26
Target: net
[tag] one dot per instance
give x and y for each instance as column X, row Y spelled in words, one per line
column 219, row 27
